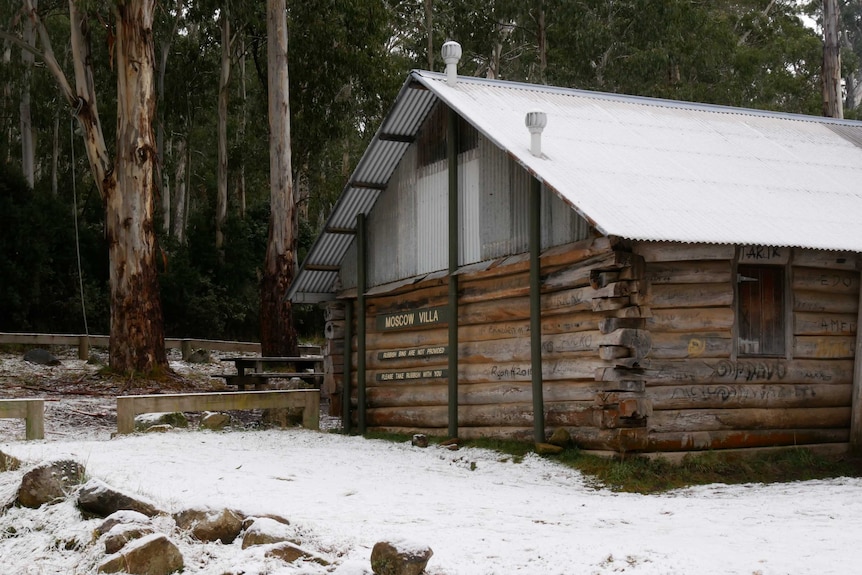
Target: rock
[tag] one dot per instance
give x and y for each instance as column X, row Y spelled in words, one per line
column 548, row 449
column 419, row 440
column 123, row 517
column 247, row 522
column 49, row 482
column 289, row 552
column 560, row 437
column 8, row 463
column 41, row 357
column 119, row 535
column 99, row 498
column 399, row 558
column 265, row 531
column 147, row 420
column 215, row 421
column 200, row 356
column 282, row 417
column 451, row 441
column 151, row 555
column 210, row 524
column 161, row 428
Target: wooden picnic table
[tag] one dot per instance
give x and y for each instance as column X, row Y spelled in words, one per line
column 257, row 371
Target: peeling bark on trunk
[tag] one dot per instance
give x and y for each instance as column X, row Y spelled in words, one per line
column 223, row 94
column 137, row 333
column 278, row 336
column 832, row 98
column 180, row 196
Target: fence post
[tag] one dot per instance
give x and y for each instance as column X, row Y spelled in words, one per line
column 84, row 347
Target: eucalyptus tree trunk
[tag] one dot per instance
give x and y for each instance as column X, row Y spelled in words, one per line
column 832, row 98
column 137, row 333
column 278, row 336
column 223, row 94
column 180, row 199
column 28, row 139
column 126, row 185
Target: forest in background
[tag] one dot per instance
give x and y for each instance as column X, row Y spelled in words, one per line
column 347, row 60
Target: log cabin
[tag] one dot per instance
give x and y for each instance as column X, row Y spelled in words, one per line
column 652, row 276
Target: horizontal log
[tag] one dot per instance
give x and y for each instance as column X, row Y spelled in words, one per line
column 676, row 252
column 766, row 370
column 749, row 418
column 579, row 274
column 696, row 272
column 824, row 323
column 486, row 393
column 826, row 259
column 610, row 352
column 691, row 319
column 501, row 287
column 492, row 331
column 824, row 347
column 334, row 329
column 610, row 324
column 333, row 310
column 504, row 415
column 400, row 339
column 734, row 396
column 523, row 433
column 416, row 297
column 689, row 295
column 833, row 281
column 709, row 440
column 610, row 303
column 818, row 301
column 494, row 311
column 690, row 345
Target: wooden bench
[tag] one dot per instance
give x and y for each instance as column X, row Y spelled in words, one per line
column 128, row 406
column 257, row 380
column 32, row 411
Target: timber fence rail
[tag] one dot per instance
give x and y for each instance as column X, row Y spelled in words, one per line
column 128, row 406
column 32, row 411
column 186, row 345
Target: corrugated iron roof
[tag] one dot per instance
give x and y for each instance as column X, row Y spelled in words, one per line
column 638, row 168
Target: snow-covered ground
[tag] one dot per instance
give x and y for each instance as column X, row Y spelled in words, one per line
column 478, row 511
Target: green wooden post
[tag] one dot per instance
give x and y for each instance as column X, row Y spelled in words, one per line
column 454, row 227
column 536, row 310
column 360, row 322
column 348, row 367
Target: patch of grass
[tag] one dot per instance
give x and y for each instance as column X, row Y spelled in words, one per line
column 645, row 475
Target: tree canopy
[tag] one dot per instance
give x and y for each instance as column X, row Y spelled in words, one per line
column 347, row 60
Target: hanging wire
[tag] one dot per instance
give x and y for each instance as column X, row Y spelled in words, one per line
column 75, row 212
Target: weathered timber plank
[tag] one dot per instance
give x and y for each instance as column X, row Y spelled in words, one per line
column 31, row 410
column 610, row 352
column 826, row 259
column 579, row 274
column 400, row 339
column 695, row 272
column 832, row 281
column 708, row 440
column 610, row 324
column 502, row 287
column 131, row 405
column 749, row 370
column 583, row 321
column 691, row 319
column 569, row 300
column 749, row 418
column 824, row 323
column 689, row 295
column 503, row 415
column 494, row 311
column 492, row 331
column 419, row 297
column 826, row 302
column 690, row 345
column 670, row 252
column 482, row 393
column 749, row 395
column 824, row 347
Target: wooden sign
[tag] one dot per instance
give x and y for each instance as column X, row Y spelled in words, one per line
column 414, row 374
column 763, row 255
column 411, row 318
column 412, row 353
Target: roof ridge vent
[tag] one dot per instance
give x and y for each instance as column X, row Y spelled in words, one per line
column 451, row 53
column 536, row 121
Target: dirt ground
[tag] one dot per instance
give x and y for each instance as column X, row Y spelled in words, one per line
column 80, row 396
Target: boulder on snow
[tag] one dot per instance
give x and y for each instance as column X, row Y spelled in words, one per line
column 561, row 437
column 214, row 420
column 41, row 357
column 399, row 558
column 123, row 517
column 49, row 482
column 210, row 524
column 151, row 555
column 99, row 498
column 290, row 552
column 145, row 421
column 122, row 533
column 265, row 531
column 8, row 462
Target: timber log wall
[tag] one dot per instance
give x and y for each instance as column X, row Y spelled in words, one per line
column 704, row 393
column 638, row 350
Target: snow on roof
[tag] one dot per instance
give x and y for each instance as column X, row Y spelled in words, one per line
column 637, row 168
